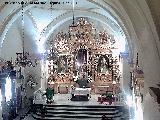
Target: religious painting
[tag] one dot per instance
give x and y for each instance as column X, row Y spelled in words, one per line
column 103, row 64
column 62, row 64
column 82, row 56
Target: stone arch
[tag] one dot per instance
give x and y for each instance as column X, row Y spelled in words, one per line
column 13, row 16
column 68, row 16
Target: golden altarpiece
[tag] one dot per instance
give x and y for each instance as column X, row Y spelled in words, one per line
column 81, row 51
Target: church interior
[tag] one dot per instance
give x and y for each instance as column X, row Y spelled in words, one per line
column 72, row 59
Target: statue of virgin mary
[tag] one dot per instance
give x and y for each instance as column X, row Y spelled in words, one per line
column 103, row 66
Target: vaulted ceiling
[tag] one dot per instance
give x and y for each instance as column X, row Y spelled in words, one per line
column 43, row 20
column 154, row 6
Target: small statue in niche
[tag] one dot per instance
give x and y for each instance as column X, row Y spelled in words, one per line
column 82, row 56
column 103, row 65
column 62, row 67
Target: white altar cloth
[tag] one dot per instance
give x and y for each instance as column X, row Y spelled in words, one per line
column 81, row 91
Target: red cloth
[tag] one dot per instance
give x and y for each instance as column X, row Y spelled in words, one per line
column 104, row 99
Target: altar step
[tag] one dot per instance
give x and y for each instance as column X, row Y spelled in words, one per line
column 89, row 112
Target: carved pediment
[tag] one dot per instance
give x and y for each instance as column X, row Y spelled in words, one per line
column 82, row 35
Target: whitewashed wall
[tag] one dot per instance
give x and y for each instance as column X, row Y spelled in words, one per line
column 12, row 43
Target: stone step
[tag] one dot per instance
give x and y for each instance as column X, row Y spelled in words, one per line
column 81, row 109
column 93, row 118
column 79, row 115
column 74, row 112
column 64, row 117
column 82, row 114
column 84, row 106
column 94, row 111
column 60, row 118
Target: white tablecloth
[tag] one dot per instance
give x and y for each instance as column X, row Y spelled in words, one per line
column 81, row 91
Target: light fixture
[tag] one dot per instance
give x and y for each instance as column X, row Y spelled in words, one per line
column 73, row 26
column 8, row 91
column 23, row 58
column 73, row 11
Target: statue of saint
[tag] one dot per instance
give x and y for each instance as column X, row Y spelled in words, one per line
column 62, row 65
column 103, row 66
